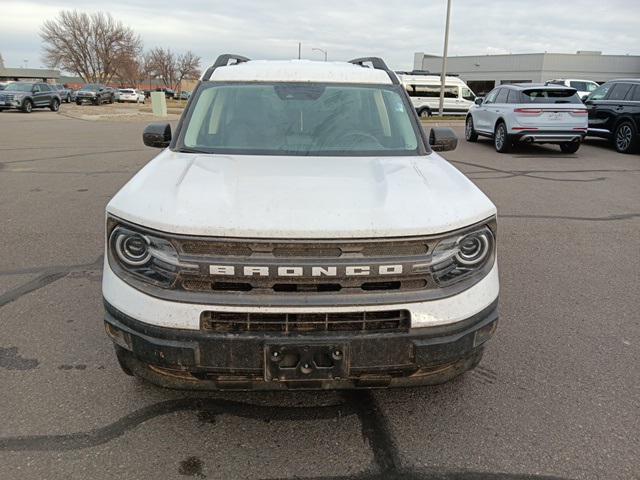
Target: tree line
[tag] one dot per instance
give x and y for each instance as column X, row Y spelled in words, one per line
column 100, row 49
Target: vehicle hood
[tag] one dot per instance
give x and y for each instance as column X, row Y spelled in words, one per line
column 15, row 93
column 300, row 197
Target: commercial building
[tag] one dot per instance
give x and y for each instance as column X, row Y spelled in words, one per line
column 483, row 72
column 29, row 75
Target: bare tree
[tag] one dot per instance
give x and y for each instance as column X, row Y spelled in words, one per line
column 187, row 68
column 162, row 65
column 93, row 46
column 172, row 69
column 131, row 72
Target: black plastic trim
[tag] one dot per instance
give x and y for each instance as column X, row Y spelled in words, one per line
column 223, row 61
column 378, row 64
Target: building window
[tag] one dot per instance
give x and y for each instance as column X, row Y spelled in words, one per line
column 511, row 82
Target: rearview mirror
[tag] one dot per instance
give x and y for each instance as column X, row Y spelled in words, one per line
column 478, row 100
column 442, row 139
column 157, row 135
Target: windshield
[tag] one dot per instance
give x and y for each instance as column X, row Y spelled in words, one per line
column 91, row 87
column 20, row 87
column 467, row 94
column 543, row 95
column 300, row 119
column 125, row 90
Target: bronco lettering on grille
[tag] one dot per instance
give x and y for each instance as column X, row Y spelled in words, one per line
column 306, row 271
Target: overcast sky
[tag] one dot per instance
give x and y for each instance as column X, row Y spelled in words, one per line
column 393, row 29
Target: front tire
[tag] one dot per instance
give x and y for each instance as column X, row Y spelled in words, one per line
column 625, row 138
column 424, row 112
column 569, row 147
column 121, row 355
column 78, row 102
column 27, row 106
column 501, row 140
column 470, row 133
column 55, row 105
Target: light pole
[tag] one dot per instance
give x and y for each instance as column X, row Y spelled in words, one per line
column 443, row 73
column 323, row 51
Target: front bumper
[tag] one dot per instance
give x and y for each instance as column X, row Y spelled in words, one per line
column 188, row 359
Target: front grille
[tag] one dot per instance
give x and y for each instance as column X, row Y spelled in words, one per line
column 303, row 285
column 6, row 97
column 306, row 255
column 356, row 322
column 306, row 249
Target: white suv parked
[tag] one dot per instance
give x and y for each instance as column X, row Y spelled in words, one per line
column 583, row 87
column 298, row 231
column 531, row 114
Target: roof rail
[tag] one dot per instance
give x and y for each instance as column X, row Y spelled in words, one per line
column 223, row 61
column 378, row 64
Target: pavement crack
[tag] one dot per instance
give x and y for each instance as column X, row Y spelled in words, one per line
column 30, row 286
column 533, row 173
column 101, row 435
column 75, row 155
column 47, row 275
column 609, row 218
column 375, row 429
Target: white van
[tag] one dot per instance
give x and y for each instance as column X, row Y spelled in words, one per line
column 424, row 90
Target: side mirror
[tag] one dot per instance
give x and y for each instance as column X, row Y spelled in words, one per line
column 584, row 97
column 157, row 135
column 478, row 101
column 442, row 139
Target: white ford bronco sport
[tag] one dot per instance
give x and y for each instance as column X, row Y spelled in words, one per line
column 298, row 231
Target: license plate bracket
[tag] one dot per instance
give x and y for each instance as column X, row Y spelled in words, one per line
column 287, row 362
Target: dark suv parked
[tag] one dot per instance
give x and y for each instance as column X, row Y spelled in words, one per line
column 95, row 93
column 27, row 96
column 614, row 113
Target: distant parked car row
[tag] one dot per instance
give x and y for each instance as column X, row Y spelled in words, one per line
column 27, row 96
column 96, row 94
column 556, row 114
column 169, row 93
column 130, row 95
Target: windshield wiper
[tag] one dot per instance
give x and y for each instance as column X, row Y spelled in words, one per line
column 190, row 150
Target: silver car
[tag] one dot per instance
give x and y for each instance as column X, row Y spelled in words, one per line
column 529, row 113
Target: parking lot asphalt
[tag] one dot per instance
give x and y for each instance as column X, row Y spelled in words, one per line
column 556, row 395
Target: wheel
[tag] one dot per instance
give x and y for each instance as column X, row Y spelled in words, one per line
column 96, row 101
column 55, row 105
column 501, row 139
column 569, row 147
column 625, row 138
column 470, row 133
column 78, row 102
column 110, row 99
column 27, row 106
column 121, row 355
column 424, row 112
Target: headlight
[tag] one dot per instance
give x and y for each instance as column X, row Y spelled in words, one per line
column 147, row 257
column 462, row 256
